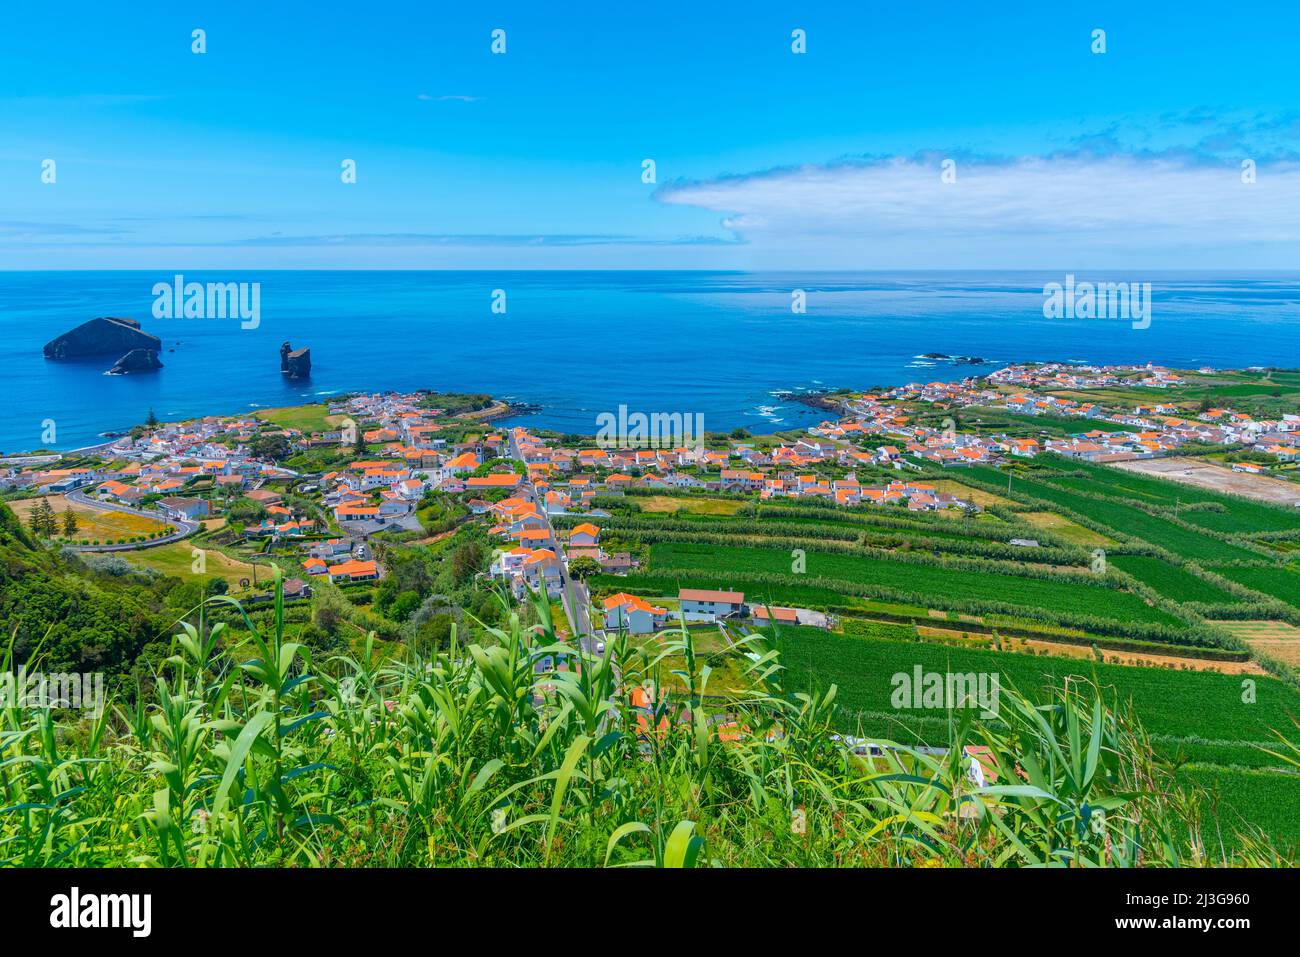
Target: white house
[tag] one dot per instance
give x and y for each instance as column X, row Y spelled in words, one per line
column 585, row 535
column 635, row 614
column 704, row 605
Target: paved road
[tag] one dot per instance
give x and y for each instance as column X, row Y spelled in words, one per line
column 576, row 597
column 183, row 526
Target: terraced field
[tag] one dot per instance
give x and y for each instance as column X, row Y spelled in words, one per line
column 1232, row 515
column 1281, row 582
column 946, row 584
column 1239, row 800
column 1209, row 722
column 1279, row 640
column 1170, row 581
column 1199, row 716
column 1072, row 532
column 1180, row 707
column 1133, row 521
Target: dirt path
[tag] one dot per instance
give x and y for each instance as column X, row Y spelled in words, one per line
column 1217, row 478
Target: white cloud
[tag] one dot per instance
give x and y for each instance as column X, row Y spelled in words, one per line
column 1164, row 209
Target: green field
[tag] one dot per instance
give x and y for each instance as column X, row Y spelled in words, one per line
column 1132, row 521
column 177, row 558
column 304, row 418
column 1000, row 420
column 1190, row 706
column 946, row 584
column 1238, row 798
column 1170, row 581
column 1237, row 515
column 1282, row 583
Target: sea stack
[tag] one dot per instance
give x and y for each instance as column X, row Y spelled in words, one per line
column 137, row 360
column 295, row 363
column 100, row 337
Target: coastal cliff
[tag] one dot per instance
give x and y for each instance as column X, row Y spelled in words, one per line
column 103, row 336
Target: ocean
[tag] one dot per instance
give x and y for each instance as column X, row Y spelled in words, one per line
column 577, row 344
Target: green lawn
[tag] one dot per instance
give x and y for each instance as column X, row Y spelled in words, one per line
column 304, row 418
column 177, row 558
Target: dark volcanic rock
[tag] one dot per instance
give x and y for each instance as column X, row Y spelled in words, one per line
column 137, row 360
column 819, row 400
column 99, row 337
column 295, row 363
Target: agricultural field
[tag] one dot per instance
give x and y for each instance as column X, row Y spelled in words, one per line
column 1240, row 799
column 1266, row 394
column 968, row 492
column 1012, row 423
column 1281, row 582
column 1170, row 581
column 1175, row 706
column 1072, row 532
column 1276, row 639
column 1135, row 522
column 93, row 524
column 673, row 504
column 1196, row 715
column 1232, row 514
column 1212, row 472
column 945, row 584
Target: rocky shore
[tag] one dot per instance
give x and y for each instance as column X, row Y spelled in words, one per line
column 827, row 401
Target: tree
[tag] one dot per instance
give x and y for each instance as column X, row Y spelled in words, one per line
column 34, row 519
column 582, row 566
column 42, row 521
column 273, row 447
column 152, row 421
column 69, row 523
column 466, row 561
column 359, row 449
column 404, row 605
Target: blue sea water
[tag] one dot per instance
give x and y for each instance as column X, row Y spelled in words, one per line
column 724, row 345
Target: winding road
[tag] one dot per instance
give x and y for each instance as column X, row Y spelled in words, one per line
column 184, row 526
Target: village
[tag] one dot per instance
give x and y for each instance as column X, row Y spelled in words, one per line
column 516, row 482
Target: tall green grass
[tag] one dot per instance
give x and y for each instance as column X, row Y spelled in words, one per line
column 518, row 749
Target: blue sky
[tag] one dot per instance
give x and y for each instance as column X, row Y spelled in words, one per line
column 765, row 159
